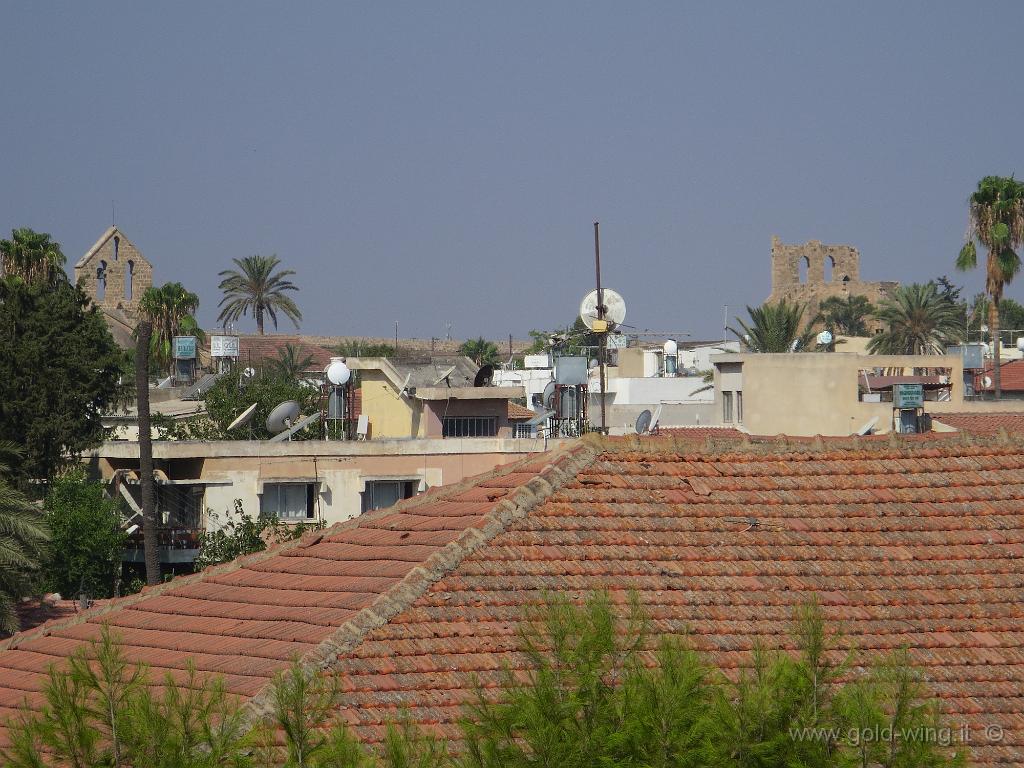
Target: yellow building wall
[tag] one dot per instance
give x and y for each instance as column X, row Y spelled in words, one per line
column 390, row 414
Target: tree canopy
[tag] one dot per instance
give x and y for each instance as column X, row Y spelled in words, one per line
column 481, row 351
column 24, row 539
column 847, row 316
column 59, row 372
column 232, row 394
column 171, row 308
column 996, row 221
column 32, row 257
column 255, row 287
column 87, row 537
column 776, row 328
column 919, row 320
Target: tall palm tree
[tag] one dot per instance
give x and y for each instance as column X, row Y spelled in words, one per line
column 919, row 321
column 996, row 220
column 775, row 328
column 32, row 256
column 255, row 287
column 290, row 363
column 847, row 316
column 23, row 538
column 171, row 309
column 480, row 351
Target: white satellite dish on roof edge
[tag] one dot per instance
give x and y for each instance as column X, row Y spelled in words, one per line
column 825, row 338
column 987, row 381
column 445, row 375
column 243, row 418
column 655, row 418
column 868, row 428
column 615, row 308
column 643, row 422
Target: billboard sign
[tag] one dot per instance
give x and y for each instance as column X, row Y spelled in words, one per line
column 184, row 347
column 908, row 396
column 224, row 346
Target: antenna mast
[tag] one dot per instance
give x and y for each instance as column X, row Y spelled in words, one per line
column 603, row 336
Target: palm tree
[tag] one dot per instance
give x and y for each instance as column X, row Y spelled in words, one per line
column 31, row 256
column 23, row 538
column 996, row 220
column 775, row 328
column 290, row 364
column 480, row 351
column 919, row 321
column 255, row 287
column 150, row 533
column 846, row 316
column 171, row 309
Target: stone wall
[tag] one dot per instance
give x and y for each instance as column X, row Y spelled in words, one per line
column 843, row 261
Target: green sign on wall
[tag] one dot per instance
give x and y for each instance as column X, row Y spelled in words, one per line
column 907, row 396
column 184, row 347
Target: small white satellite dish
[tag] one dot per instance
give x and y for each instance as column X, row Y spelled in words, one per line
column 445, row 375
column 404, row 391
column 283, row 416
column 868, row 428
column 548, row 396
column 987, row 381
column 249, row 373
column 655, row 418
column 643, row 422
column 825, row 338
column 337, row 372
column 615, row 308
column 243, row 418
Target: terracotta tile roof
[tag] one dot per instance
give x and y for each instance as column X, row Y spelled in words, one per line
column 254, row 349
column 983, row 423
column 1011, row 377
column 701, row 431
column 518, row 412
column 915, row 542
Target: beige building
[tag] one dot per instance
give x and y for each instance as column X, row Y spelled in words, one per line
column 811, row 272
column 115, row 274
column 431, row 400
column 836, row 393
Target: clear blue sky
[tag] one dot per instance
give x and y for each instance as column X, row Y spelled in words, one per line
column 443, row 162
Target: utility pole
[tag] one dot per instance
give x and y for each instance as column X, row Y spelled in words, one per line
column 602, row 325
column 510, row 346
column 396, row 337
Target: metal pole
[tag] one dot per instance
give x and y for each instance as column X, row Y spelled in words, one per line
column 602, row 337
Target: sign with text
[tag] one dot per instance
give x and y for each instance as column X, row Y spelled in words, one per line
column 224, row 346
column 184, row 347
column 907, row 396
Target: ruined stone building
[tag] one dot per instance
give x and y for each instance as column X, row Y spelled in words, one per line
column 810, row 273
column 114, row 273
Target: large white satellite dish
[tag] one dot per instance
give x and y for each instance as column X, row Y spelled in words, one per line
column 615, row 308
column 337, row 372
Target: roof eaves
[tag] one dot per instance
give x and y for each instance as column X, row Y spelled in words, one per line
column 561, row 469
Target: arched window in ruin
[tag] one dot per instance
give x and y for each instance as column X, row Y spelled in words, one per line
column 129, row 276
column 117, row 246
column 805, row 264
column 101, row 280
column 829, row 265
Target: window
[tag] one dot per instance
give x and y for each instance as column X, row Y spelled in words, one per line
column 470, row 426
column 101, row 280
column 739, row 407
column 128, row 278
column 727, row 407
column 384, row 493
column 288, row 501
column 523, row 430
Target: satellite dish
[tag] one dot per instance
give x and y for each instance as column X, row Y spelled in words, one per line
column 548, row 398
column 868, row 428
column 243, row 418
column 825, row 338
column 987, row 381
column 643, row 422
column 445, row 375
column 404, row 391
column 292, row 429
column 593, row 364
column 283, row 416
column 484, row 376
column 655, row 418
column 337, row 372
column 249, row 373
column 615, row 308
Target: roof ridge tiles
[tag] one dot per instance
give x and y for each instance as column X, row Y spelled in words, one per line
column 560, row 469
column 307, row 540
